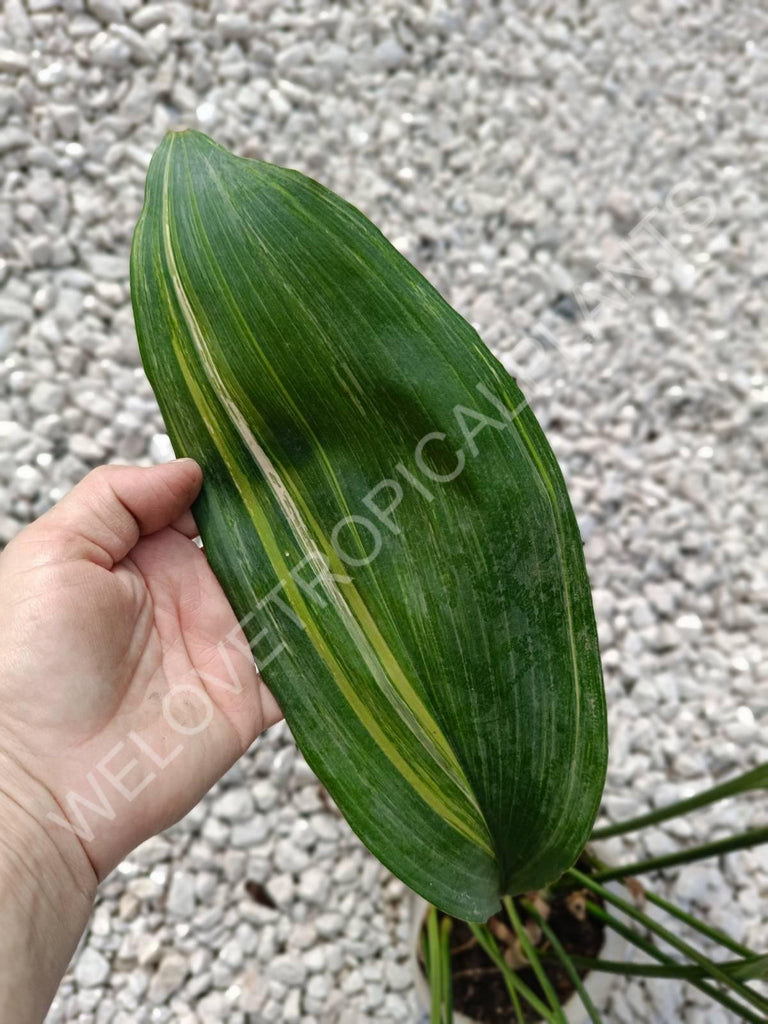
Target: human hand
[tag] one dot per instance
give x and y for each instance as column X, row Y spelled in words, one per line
column 126, row 685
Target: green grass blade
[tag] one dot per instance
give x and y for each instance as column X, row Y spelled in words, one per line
column 387, row 520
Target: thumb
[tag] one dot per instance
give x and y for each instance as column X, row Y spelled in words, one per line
column 103, row 516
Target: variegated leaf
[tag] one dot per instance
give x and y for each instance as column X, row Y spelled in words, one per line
column 386, row 517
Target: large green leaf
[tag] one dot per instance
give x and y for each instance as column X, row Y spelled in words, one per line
column 385, row 515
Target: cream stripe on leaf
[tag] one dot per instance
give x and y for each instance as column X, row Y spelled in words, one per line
column 447, row 691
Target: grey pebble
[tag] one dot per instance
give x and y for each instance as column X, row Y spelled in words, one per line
column 168, row 978
column 92, row 968
column 13, row 61
column 181, row 894
column 108, row 11
column 288, row 970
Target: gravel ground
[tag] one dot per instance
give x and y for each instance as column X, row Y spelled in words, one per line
column 519, row 154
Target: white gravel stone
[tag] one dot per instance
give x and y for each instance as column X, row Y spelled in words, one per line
column 161, row 449
column 288, row 970
column 290, row 858
column 292, row 1007
column 281, row 889
column 329, row 925
column 353, row 983
column 282, row 765
column 92, row 968
column 315, row 959
column 314, row 885
column 397, row 976
column 212, row 1009
column 302, row 936
column 234, row 26
column 107, row 11
column 86, row 448
column 152, row 851
column 318, row 988
column 390, row 54
column 249, row 834
column 232, row 954
column 234, row 805
column 148, row 948
column 347, row 870
column 170, row 975
column 12, row 61
column 264, row 795
column 181, row 894
column 12, row 138
column 10, row 308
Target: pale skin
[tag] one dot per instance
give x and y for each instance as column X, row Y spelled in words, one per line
column 106, row 606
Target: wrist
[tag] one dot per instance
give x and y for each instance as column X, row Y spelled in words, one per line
column 47, row 887
column 44, row 853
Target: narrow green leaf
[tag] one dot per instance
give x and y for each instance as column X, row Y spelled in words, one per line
column 700, row 926
column 742, row 841
column 515, row 986
column 567, row 961
column 516, row 1005
column 756, row 778
column 386, row 518
column 597, row 867
column 446, row 980
column 712, row 969
column 751, row 969
column 434, row 966
column 754, row 968
column 532, row 956
column 705, row 986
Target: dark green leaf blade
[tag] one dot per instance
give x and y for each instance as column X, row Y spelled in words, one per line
column 437, row 659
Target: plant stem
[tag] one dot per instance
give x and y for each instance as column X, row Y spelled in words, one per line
column 446, row 926
column 599, row 868
column 434, row 966
column 704, row 929
column 513, row 983
column 757, row 778
column 516, row 1005
column 671, row 939
column 533, row 959
column 743, row 841
column 647, row 947
column 566, row 961
column 682, row 972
